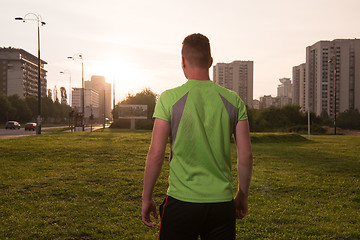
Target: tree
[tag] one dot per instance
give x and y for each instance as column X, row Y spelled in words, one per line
column 350, row 119
column 47, row 108
column 293, row 115
column 25, row 110
column 63, row 95
column 145, row 97
column 325, row 118
column 58, row 112
column 49, row 93
column 5, row 108
column 55, row 92
column 273, row 117
column 22, row 113
column 287, row 118
column 32, row 104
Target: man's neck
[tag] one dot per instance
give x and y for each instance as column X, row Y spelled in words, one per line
column 198, row 74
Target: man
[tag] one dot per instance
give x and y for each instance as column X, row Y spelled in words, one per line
column 200, row 117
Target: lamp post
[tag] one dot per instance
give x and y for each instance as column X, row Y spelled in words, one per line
column 104, row 107
column 333, row 61
column 82, row 86
column 335, row 98
column 39, row 21
column 113, row 97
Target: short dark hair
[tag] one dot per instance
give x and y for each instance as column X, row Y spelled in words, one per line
column 196, row 50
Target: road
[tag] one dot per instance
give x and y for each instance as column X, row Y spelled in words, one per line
column 10, row 133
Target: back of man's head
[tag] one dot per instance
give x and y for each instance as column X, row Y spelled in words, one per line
column 196, row 50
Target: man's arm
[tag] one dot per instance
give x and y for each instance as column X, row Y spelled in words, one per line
column 244, row 166
column 154, row 161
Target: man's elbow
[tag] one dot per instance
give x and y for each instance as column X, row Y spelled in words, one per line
column 156, row 157
column 246, row 158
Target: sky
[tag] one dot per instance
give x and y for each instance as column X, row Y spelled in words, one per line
column 137, row 44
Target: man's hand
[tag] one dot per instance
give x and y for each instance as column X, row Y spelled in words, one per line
column 154, row 162
column 241, row 206
column 148, row 207
column 244, row 165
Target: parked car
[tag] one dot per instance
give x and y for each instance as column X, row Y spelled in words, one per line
column 12, row 125
column 30, row 126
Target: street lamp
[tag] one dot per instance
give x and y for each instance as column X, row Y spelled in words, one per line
column 82, row 84
column 39, row 21
column 333, row 61
column 68, row 72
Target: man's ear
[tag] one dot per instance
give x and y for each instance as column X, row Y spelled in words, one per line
column 211, row 62
column 183, row 64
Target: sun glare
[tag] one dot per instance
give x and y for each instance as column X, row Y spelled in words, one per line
column 126, row 76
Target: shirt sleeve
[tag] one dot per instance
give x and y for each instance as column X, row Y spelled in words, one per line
column 242, row 114
column 162, row 111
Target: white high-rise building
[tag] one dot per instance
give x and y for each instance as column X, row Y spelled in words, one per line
column 236, row 76
column 333, row 76
column 285, row 89
column 103, row 88
column 299, row 77
column 19, row 73
column 91, row 101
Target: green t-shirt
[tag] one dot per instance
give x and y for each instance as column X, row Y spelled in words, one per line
column 203, row 117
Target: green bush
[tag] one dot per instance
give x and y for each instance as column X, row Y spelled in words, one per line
column 285, row 119
column 350, row 119
column 144, row 124
column 276, row 138
column 303, row 129
column 121, row 124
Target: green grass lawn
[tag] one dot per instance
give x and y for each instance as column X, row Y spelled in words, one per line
column 88, row 186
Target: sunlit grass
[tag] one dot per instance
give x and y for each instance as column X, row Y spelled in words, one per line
column 88, row 186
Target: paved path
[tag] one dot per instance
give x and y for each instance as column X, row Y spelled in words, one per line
column 10, row 133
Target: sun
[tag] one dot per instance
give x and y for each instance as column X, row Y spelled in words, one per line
column 125, row 75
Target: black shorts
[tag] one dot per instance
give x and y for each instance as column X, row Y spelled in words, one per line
column 186, row 221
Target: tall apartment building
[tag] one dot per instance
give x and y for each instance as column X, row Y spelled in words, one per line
column 299, row 80
column 285, row 89
column 103, row 88
column 256, row 104
column 322, row 84
column 284, row 92
column 279, row 101
column 236, row 76
column 19, row 73
column 267, row 101
column 91, row 99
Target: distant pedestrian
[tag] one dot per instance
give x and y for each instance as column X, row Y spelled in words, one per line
column 200, row 117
